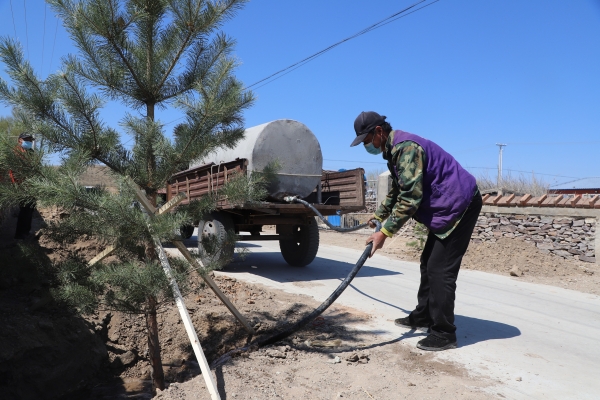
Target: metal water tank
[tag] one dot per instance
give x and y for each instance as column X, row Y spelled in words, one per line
column 288, row 142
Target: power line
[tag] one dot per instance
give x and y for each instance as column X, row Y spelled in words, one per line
column 300, row 63
column 26, row 30
column 13, row 19
column 53, row 44
column 576, row 180
column 44, row 37
column 525, row 172
column 376, row 25
column 355, row 161
column 550, row 143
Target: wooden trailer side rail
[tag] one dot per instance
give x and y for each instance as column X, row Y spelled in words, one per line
column 343, row 191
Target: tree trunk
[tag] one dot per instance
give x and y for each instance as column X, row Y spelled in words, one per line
column 158, row 376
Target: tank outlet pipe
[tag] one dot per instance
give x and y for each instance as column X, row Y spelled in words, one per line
column 340, row 289
column 294, row 199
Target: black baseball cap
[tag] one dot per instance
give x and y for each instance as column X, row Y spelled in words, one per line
column 26, row 136
column 365, row 123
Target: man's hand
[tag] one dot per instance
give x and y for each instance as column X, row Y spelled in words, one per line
column 372, row 223
column 378, row 240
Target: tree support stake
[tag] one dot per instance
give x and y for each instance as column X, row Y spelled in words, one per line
column 183, row 312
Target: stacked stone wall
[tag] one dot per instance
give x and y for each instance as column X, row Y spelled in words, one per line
column 567, row 237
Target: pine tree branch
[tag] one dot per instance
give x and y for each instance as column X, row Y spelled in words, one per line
column 218, row 50
column 85, row 114
column 174, row 62
column 116, row 47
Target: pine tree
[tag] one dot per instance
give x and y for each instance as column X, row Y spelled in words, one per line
column 145, row 54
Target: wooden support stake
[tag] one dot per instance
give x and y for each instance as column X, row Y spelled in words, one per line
column 188, row 256
column 183, row 312
column 102, row 255
column 185, row 252
column 187, row 322
column 171, row 203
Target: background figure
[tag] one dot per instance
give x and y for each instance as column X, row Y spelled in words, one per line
column 26, row 208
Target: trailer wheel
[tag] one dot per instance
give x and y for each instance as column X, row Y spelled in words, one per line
column 301, row 249
column 216, row 241
column 186, row 231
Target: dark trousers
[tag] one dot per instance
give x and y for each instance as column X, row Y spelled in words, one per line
column 24, row 220
column 440, row 263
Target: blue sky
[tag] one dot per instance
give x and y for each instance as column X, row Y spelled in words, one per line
column 466, row 74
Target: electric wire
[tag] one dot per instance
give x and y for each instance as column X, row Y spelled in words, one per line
column 13, row 19
column 53, row 44
column 44, row 37
column 26, row 30
column 524, row 172
column 400, row 14
column 549, row 143
column 575, row 180
column 356, row 161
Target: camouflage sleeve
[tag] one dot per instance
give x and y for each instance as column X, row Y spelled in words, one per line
column 408, row 157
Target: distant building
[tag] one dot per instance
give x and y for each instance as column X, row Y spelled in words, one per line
column 580, row 186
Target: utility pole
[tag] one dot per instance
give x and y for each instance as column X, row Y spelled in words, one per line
column 500, row 146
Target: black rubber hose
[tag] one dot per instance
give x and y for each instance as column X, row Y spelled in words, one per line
column 333, row 297
column 291, row 199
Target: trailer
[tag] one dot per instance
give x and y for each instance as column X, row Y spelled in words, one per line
column 295, row 226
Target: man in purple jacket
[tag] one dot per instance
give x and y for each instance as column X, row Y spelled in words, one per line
column 429, row 185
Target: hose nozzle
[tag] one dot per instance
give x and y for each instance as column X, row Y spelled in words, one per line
column 290, row 199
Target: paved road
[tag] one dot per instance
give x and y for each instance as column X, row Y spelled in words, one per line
column 547, row 337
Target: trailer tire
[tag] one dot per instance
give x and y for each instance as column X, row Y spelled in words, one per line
column 215, row 243
column 301, row 249
column 186, row 231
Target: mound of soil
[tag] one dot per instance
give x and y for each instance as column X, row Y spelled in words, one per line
column 45, row 351
column 512, row 257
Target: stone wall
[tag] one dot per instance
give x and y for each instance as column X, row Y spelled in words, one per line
column 567, row 237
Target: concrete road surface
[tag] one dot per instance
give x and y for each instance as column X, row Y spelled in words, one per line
column 535, row 341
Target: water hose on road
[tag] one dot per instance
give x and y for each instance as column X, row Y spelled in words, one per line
column 337, row 292
column 325, row 305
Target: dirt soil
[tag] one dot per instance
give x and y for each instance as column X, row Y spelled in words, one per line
column 358, row 365
column 526, row 261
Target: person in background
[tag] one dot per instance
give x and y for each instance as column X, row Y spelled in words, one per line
column 26, row 208
column 430, row 186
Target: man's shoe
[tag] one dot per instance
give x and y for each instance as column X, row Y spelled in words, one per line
column 436, row 343
column 406, row 322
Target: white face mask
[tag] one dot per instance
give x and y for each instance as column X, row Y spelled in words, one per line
column 27, row 145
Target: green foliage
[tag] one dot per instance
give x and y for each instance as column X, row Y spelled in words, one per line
column 10, row 129
column 124, row 287
column 144, row 54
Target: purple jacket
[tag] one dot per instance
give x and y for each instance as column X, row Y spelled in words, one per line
column 447, row 187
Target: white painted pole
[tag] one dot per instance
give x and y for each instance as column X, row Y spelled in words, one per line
column 185, row 316
column 500, row 145
column 187, row 322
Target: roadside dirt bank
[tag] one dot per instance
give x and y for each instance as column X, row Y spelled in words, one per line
column 525, row 260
